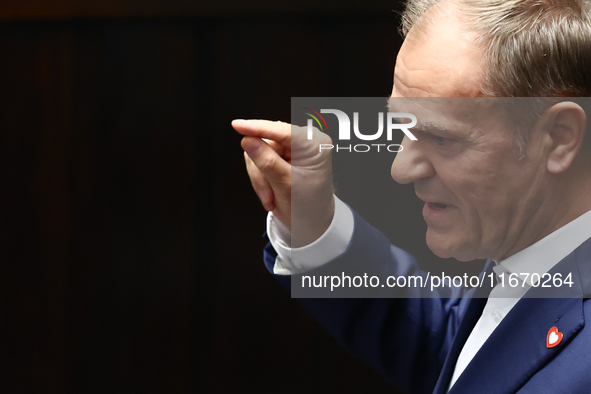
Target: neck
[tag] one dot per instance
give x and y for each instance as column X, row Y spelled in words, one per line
column 569, row 200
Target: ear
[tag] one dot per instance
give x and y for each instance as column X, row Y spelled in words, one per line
column 564, row 126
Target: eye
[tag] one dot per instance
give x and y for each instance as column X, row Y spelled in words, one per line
column 440, row 140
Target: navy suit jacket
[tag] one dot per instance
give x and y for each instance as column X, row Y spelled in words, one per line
column 415, row 342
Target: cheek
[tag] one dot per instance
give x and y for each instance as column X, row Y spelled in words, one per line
column 483, row 191
column 470, row 181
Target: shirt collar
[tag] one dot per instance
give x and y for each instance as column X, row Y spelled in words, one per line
column 544, row 254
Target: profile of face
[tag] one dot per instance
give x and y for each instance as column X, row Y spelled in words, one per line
column 482, row 198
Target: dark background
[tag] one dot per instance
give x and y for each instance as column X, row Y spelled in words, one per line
column 131, row 240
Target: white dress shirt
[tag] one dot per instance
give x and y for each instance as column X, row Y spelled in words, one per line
column 538, row 258
column 330, row 245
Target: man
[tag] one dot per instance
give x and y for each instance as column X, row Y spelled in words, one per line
column 516, row 195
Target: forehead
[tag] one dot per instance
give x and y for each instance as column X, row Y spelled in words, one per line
column 440, row 60
column 462, row 116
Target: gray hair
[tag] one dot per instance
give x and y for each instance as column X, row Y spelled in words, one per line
column 533, row 48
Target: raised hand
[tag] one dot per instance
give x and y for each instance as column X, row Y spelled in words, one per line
column 290, row 174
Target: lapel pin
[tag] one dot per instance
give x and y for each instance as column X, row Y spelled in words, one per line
column 553, row 338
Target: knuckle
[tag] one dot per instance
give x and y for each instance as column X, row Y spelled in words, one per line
column 244, row 143
column 267, row 163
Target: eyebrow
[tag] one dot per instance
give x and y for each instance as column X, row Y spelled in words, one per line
column 426, row 127
column 430, row 128
column 389, row 103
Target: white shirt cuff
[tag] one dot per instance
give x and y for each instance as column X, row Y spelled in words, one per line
column 329, row 246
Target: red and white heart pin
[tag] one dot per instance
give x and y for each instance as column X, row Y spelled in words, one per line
column 553, row 338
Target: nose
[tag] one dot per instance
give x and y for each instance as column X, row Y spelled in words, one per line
column 411, row 163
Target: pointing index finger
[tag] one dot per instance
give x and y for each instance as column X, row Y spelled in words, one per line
column 275, row 131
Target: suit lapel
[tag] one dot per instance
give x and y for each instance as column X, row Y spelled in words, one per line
column 517, row 348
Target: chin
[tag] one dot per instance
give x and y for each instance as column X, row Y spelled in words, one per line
column 443, row 248
column 439, row 250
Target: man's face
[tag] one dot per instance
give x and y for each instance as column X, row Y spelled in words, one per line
column 480, row 196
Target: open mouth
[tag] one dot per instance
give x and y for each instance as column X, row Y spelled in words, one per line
column 437, row 206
